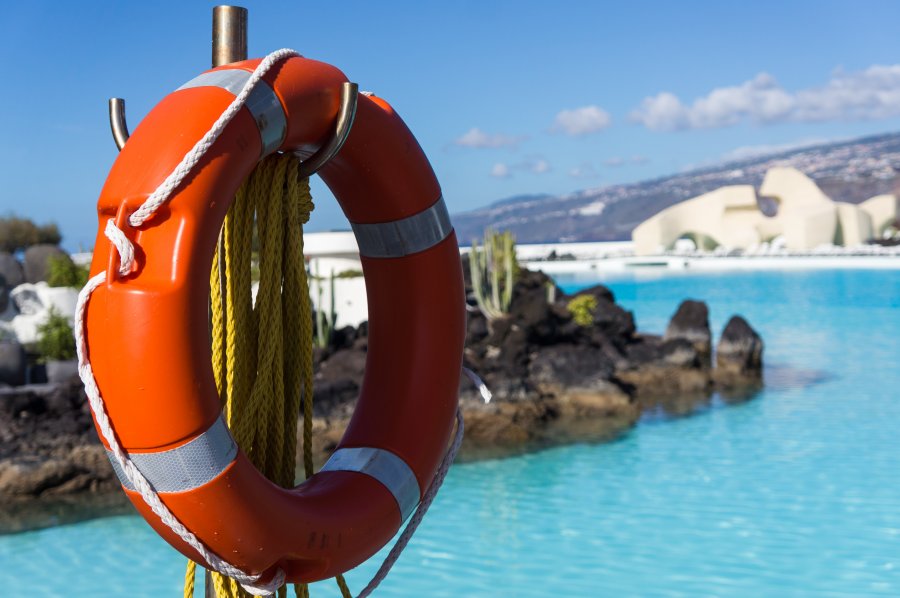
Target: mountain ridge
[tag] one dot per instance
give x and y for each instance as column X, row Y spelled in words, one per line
column 850, row 170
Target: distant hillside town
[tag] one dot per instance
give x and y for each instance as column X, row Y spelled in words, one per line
column 847, row 172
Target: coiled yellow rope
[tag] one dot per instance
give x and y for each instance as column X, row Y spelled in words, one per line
column 262, row 353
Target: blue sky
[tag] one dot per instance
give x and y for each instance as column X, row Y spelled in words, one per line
column 505, row 97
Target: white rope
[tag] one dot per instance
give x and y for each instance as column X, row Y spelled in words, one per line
column 251, row 583
column 123, row 246
column 419, row 514
column 162, row 193
column 479, row 384
column 430, row 494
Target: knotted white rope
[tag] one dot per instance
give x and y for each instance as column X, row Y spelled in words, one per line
column 123, row 246
column 148, row 493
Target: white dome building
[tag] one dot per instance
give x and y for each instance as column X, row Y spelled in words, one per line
column 731, row 217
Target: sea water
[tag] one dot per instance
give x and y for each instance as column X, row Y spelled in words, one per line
column 793, row 493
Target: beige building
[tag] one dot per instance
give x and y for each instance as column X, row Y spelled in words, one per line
column 802, row 216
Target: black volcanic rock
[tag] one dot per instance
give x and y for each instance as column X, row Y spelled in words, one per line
column 11, row 270
column 12, row 363
column 657, row 368
column 610, row 322
column 37, row 261
column 4, row 294
column 691, row 323
column 739, row 354
column 598, row 291
column 337, row 382
column 614, row 322
column 343, row 338
column 49, row 453
column 561, row 368
column 530, row 299
column 655, row 350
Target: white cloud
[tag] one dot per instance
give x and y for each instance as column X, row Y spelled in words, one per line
column 873, row 93
column 865, row 95
column 585, row 170
column 662, row 112
column 581, row 121
column 617, row 161
column 475, row 137
column 500, row 171
column 753, row 151
column 536, row 165
column 532, row 164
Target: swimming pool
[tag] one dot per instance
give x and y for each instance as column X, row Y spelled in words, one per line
column 795, row 493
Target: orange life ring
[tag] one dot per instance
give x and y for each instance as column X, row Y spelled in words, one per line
column 147, row 333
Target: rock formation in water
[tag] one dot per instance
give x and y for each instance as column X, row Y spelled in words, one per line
column 52, row 466
column 562, row 368
column 557, row 378
column 691, row 323
column 739, row 355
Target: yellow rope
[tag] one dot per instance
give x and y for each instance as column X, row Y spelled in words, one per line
column 189, row 579
column 256, row 349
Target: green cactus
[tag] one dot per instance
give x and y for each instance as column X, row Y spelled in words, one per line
column 324, row 320
column 493, row 269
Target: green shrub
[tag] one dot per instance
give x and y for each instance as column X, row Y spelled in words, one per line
column 582, row 309
column 63, row 272
column 56, row 340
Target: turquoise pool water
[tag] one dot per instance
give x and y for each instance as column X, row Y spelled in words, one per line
column 795, row 493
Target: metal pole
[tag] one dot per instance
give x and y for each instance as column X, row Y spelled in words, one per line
column 229, row 35
column 229, row 44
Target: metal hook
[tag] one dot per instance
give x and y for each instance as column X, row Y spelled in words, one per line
column 117, row 122
column 343, row 123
